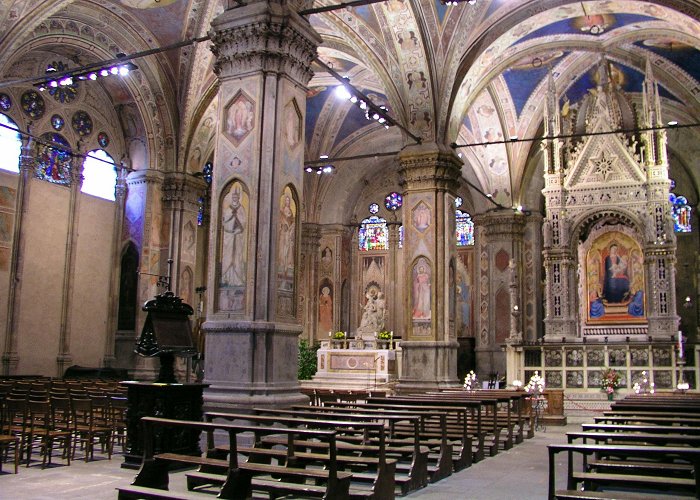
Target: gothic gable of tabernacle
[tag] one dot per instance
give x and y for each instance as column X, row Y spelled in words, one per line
column 608, row 237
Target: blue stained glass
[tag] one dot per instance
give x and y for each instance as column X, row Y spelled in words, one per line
column 82, row 123
column 208, row 172
column 57, row 122
column 54, row 159
column 458, row 201
column 33, row 104
column 200, row 210
column 393, row 201
column 5, row 102
column 680, row 211
column 103, row 139
column 373, row 234
column 465, row 229
column 373, row 208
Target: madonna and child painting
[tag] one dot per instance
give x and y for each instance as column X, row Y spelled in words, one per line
column 615, row 280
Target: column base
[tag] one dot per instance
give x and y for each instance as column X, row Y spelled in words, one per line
column 251, row 364
column 428, row 366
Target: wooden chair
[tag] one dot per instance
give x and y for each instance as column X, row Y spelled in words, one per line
column 15, row 411
column 43, row 433
column 89, row 426
column 118, row 406
column 8, row 440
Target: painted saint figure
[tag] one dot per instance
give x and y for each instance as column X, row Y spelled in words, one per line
column 285, row 249
column 233, row 250
column 421, row 293
column 616, row 285
column 325, row 310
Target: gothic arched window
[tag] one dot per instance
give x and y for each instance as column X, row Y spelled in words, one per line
column 680, row 211
column 99, row 175
column 374, row 234
column 465, row 229
column 10, row 144
column 53, row 159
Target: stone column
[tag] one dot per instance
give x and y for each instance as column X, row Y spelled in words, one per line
column 145, row 226
column 119, row 199
column 500, row 286
column 263, row 54
column 429, row 173
column 180, row 194
column 64, row 358
column 310, row 238
column 10, row 357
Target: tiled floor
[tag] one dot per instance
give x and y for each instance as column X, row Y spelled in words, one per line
column 519, row 473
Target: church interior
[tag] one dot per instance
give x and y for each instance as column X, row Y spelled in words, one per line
column 503, row 186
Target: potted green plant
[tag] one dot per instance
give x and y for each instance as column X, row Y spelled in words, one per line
column 338, row 339
column 384, row 339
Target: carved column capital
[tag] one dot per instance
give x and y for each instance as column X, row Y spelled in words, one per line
column 429, row 166
column 263, row 36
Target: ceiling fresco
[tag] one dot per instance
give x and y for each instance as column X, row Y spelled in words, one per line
column 464, row 73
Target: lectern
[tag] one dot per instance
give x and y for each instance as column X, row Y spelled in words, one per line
column 166, row 333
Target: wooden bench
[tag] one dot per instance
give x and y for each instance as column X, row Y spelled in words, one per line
column 440, row 458
column 454, row 429
column 486, row 437
column 633, row 418
column 648, row 483
column 379, row 468
column 242, row 478
column 412, row 458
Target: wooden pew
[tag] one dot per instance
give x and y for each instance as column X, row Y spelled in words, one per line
column 634, row 417
column 454, row 430
column 380, row 468
column 439, row 463
column 682, row 486
column 412, row 458
column 242, row 477
column 484, row 430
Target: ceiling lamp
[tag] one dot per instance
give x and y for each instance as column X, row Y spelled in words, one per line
column 320, row 169
column 67, row 78
column 372, row 111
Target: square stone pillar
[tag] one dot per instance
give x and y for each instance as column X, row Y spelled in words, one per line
column 429, row 173
column 263, row 55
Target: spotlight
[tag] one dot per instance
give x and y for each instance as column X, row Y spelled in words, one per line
column 104, row 72
column 672, row 123
column 92, row 76
column 114, row 70
column 342, row 92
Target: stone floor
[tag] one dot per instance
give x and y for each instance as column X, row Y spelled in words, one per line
column 519, row 473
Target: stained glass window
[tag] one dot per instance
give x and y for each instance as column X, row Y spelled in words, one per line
column 5, row 102
column 458, row 201
column 64, row 93
column 374, row 234
column 99, row 178
column 33, row 104
column 401, row 236
column 681, row 212
column 57, row 122
column 103, row 139
column 208, row 172
column 465, row 229
column 53, row 159
column 393, row 201
column 373, row 208
column 82, row 123
column 10, row 145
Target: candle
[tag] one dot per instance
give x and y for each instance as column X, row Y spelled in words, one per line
column 680, row 344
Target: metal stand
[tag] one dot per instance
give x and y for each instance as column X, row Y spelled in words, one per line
column 539, row 405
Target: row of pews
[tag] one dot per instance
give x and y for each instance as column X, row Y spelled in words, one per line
column 646, row 446
column 375, row 448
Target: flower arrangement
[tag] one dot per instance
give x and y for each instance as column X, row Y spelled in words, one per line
column 339, row 335
column 470, row 381
column 535, row 385
column 643, row 386
column 610, row 380
column 384, row 335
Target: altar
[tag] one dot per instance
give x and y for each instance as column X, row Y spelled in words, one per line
column 357, row 363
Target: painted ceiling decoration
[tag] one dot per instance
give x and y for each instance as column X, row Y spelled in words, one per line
column 450, row 74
